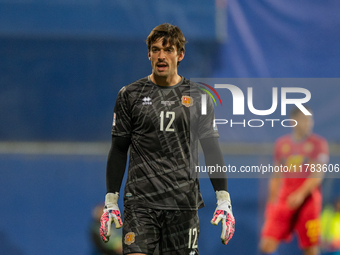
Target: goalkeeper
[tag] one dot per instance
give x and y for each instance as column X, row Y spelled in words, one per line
column 159, row 118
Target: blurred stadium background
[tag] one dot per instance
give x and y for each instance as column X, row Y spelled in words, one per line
column 62, row 64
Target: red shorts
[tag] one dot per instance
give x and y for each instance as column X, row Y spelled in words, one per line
column 305, row 221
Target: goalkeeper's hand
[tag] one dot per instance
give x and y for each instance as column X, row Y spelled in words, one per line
column 223, row 212
column 111, row 213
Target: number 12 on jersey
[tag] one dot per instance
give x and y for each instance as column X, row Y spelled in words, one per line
column 168, row 115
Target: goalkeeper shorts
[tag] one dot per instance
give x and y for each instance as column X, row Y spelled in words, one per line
column 174, row 231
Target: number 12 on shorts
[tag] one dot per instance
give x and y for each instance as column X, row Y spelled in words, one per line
column 193, row 233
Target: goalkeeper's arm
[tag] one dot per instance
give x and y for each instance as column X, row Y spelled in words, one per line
column 115, row 169
column 116, row 163
column 213, row 156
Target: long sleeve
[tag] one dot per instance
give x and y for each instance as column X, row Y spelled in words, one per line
column 213, row 156
column 116, row 163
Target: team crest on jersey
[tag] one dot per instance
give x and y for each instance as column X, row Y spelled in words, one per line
column 129, row 238
column 187, row 101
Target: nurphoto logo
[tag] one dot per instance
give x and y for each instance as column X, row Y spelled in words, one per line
column 240, row 102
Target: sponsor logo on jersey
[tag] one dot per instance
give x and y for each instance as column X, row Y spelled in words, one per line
column 167, row 103
column 129, row 238
column 187, row 101
column 146, row 101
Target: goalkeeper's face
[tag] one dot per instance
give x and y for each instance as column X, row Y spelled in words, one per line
column 304, row 125
column 164, row 58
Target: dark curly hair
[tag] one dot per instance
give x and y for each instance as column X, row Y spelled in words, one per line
column 171, row 34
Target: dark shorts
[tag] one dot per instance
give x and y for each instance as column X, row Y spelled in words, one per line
column 176, row 232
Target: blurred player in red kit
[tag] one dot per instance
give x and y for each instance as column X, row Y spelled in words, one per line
column 294, row 199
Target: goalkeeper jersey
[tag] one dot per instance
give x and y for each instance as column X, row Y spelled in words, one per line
column 164, row 125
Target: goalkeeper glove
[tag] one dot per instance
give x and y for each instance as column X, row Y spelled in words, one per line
column 223, row 212
column 111, row 213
